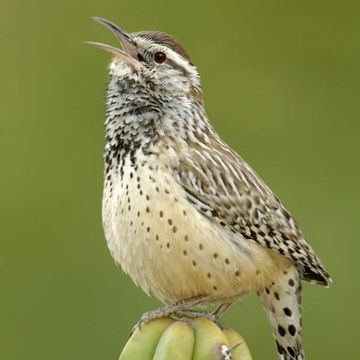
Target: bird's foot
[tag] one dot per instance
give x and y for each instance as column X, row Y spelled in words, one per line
column 162, row 312
column 193, row 314
column 179, row 310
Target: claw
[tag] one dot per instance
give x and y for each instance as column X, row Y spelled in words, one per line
column 176, row 311
column 163, row 312
column 211, row 316
column 137, row 326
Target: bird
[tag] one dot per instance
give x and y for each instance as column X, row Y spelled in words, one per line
column 183, row 214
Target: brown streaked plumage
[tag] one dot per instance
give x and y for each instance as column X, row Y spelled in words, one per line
column 185, row 216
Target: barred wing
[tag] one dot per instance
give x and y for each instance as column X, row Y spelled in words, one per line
column 224, row 189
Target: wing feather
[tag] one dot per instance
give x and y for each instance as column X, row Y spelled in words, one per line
column 227, row 191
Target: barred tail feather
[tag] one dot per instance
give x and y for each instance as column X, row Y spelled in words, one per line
column 281, row 301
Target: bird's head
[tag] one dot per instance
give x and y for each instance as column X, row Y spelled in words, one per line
column 153, row 62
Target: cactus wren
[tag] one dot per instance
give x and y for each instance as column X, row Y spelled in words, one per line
column 185, row 216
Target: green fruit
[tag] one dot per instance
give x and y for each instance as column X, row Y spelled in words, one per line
column 143, row 342
column 240, row 350
column 209, row 340
column 176, row 342
column 198, row 339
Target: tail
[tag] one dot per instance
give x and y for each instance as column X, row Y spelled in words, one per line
column 281, row 301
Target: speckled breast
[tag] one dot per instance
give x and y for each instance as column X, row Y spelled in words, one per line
column 168, row 248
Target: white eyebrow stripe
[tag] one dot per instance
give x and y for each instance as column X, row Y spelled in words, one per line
column 142, row 41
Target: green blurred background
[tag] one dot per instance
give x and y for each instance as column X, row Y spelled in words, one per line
column 281, row 82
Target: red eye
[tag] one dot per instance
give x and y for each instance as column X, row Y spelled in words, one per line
column 159, row 57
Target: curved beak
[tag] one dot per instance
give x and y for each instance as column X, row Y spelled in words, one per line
column 129, row 51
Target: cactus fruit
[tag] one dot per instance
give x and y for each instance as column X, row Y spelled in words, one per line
column 197, row 339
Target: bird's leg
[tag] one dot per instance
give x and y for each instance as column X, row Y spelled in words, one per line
column 193, row 314
column 179, row 310
column 219, row 311
column 162, row 312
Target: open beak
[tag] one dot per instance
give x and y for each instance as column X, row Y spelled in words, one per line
column 129, row 52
